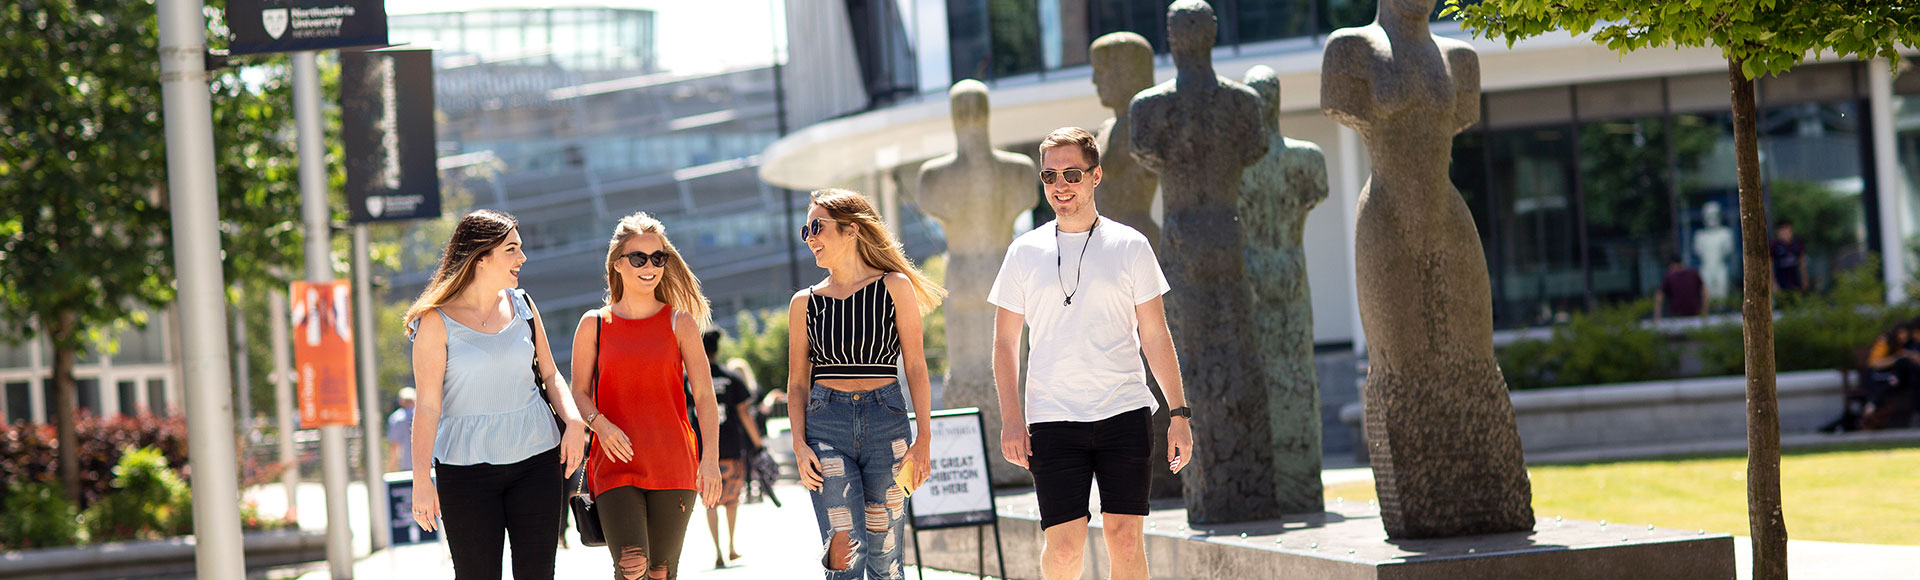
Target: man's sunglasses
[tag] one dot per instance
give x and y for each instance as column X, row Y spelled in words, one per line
column 1071, row 175
column 638, row 259
column 813, row 228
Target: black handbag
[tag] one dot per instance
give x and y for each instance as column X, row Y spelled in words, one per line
column 586, row 516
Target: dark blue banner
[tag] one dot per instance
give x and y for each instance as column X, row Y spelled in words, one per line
column 268, row 26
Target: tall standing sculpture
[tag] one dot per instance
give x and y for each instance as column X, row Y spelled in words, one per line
column 1122, row 67
column 1440, row 428
column 1275, row 196
column 976, row 193
column 1199, row 132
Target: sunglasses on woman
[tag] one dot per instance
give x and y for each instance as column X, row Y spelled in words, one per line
column 813, row 228
column 638, row 259
column 1071, row 175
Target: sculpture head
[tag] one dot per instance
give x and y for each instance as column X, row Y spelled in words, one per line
column 1710, row 213
column 1264, row 81
column 1122, row 67
column 1191, row 31
column 968, row 98
column 1405, row 10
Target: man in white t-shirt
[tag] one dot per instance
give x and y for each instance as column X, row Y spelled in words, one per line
column 1089, row 289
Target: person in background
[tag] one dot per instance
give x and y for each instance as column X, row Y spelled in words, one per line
column 1682, row 292
column 738, row 439
column 400, row 434
column 1892, row 354
column 1789, row 259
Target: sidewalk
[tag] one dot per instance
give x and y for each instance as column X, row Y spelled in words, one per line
column 773, row 542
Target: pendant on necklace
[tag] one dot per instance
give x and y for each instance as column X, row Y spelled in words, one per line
column 1067, row 302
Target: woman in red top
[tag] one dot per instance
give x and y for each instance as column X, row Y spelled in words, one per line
column 634, row 355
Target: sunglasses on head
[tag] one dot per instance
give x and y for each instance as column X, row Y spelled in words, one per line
column 638, row 259
column 813, row 228
column 1071, row 175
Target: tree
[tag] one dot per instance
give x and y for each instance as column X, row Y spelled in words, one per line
column 1756, row 37
column 85, row 241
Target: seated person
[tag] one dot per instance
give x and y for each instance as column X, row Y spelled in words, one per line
column 1892, row 353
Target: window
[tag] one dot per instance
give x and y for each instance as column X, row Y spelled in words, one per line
column 1533, row 209
column 19, row 402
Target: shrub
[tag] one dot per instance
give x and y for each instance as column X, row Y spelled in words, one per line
column 1607, row 345
column 29, row 453
column 148, row 501
column 37, row 516
column 1813, row 331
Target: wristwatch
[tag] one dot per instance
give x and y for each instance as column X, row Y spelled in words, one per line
column 1182, row 411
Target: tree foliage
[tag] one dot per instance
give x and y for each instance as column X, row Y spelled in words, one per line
column 85, row 238
column 1764, row 36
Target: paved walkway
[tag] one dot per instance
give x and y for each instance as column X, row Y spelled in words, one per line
column 773, row 542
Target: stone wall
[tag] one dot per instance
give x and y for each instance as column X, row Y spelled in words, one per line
column 1657, row 412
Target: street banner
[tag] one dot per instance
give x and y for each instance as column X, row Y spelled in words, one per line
column 386, row 115
column 323, row 353
column 269, row 26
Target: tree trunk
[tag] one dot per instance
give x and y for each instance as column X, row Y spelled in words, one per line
column 1765, row 520
column 65, row 403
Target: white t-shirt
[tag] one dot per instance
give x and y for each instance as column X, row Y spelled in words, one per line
column 1084, row 364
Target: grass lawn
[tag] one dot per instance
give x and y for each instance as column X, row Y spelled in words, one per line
column 1861, row 495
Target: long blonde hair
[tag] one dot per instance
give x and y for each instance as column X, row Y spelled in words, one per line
column 678, row 288
column 478, row 233
column 877, row 246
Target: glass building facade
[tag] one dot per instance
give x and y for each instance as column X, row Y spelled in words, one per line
column 573, row 135
column 1582, row 193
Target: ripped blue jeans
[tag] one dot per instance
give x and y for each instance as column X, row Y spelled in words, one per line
column 860, row 439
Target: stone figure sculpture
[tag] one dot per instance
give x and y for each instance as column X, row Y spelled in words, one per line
column 1122, row 67
column 1712, row 243
column 1440, row 428
column 976, row 193
column 1200, row 132
column 1275, row 196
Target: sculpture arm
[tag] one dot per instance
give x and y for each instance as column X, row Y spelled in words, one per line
column 1346, row 87
column 1463, row 64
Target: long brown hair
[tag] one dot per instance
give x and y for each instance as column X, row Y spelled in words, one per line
column 678, row 288
column 478, row 233
column 877, row 246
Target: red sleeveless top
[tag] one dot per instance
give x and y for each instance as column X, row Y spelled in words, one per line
column 641, row 391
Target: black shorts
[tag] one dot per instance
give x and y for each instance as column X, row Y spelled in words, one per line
column 1069, row 455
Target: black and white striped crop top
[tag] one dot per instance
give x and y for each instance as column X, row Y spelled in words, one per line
column 853, row 337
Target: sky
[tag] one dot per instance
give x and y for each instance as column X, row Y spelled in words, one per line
column 694, row 35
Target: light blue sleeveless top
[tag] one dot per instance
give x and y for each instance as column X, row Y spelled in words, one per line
column 490, row 410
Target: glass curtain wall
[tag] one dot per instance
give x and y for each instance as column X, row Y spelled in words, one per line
column 1583, row 194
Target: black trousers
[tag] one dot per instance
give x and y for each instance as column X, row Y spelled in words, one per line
column 521, row 501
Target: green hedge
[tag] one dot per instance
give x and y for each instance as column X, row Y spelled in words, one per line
column 1613, row 344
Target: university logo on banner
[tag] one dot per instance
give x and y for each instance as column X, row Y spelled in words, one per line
column 323, row 353
column 275, row 21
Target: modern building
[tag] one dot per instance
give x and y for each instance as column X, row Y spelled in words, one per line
column 1588, row 170
column 143, row 375
column 563, row 116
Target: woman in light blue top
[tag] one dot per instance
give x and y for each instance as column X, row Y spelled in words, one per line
column 481, row 416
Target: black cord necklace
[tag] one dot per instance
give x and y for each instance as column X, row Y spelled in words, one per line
column 1057, row 260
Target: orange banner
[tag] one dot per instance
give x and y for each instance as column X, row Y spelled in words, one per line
column 323, row 353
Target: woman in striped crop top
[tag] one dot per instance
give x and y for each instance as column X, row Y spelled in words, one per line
column 849, row 337
column 496, row 456
column 629, row 359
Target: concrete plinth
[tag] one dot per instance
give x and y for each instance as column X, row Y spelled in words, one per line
column 1348, row 542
